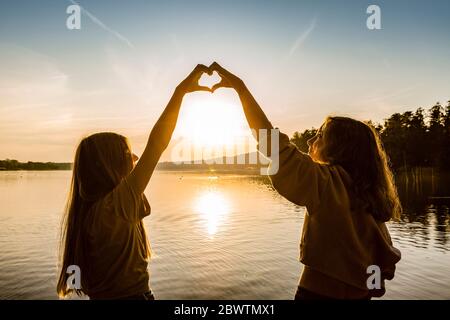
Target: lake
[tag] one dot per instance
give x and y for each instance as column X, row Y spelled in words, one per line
column 212, row 236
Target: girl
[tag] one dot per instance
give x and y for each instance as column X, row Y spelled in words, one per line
column 348, row 190
column 102, row 232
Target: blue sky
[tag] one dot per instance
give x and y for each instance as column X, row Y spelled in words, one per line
column 303, row 60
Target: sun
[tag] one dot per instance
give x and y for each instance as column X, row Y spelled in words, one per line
column 209, row 120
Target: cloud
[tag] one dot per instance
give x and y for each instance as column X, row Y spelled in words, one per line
column 29, row 78
column 393, row 94
column 104, row 26
column 138, row 76
column 302, row 38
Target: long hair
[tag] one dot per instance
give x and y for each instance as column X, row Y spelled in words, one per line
column 356, row 147
column 101, row 161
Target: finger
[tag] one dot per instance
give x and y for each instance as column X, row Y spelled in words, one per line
column 225, row 74
column 198, row 72
column 202, row 88
column 217, row 67
column 210, row 72
column 221, row 84
column 201, row 68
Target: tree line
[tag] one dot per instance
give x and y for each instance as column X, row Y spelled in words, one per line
column 411, row 139
column 9, row 164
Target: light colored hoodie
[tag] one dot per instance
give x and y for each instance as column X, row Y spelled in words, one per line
column 337, row 244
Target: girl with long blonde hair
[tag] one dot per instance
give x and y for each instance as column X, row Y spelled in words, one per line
column 102, row 231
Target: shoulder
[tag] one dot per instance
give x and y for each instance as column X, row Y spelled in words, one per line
column 121, row 204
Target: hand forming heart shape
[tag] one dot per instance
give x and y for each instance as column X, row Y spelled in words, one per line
column 228, row 80
column 209, row 80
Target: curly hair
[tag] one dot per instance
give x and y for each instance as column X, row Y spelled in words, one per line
column 357, row 148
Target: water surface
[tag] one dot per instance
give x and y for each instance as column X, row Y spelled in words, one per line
column 212, row 237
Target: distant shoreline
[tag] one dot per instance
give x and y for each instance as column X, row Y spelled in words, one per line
column 162, row 166
column 215, row 168
column 14, row 165
column 219, row 165
column 231, row 170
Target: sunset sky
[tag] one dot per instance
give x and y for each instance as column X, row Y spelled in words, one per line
column 302, row 60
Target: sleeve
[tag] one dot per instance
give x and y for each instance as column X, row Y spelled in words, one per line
column 299, row 179
column 128, row 204
column 392, row 256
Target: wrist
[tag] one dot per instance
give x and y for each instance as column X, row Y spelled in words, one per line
column 178, row 93
column 241, row 88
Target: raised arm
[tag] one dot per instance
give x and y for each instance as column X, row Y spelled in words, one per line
column 162, row 131
column 298, row 178
column 256, row 118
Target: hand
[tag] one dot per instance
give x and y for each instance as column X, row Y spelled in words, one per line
column 190, row 84
column 229, row 80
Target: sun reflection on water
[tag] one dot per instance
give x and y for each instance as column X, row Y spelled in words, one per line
column 213, row 207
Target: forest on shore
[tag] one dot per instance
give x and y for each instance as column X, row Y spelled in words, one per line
column 12, row 165
column 411, row 139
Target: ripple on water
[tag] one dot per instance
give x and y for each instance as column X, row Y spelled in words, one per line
column 239, row 242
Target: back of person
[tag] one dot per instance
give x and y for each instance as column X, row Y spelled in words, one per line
column 341, row 237
column 339, row 244
column 347, row 187
column 103, row 235
column 116, row 243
